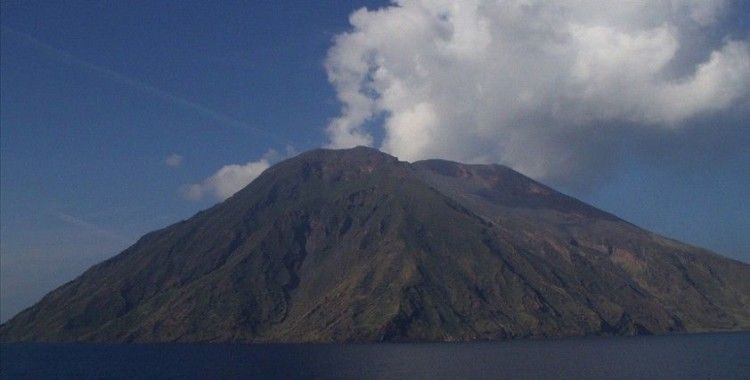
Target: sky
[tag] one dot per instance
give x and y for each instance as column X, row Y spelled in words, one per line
column 118, row 118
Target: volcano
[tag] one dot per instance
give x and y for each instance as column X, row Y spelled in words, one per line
column 357, row 246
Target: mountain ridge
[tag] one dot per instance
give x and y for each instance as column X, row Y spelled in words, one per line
column 355, row 245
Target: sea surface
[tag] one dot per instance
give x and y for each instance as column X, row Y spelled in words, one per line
column 701, row 356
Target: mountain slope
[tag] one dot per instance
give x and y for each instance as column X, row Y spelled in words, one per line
column 353, row 245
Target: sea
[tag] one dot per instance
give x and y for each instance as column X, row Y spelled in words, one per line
column 694, row 356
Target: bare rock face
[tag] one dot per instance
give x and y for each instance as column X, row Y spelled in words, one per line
column 354, row 245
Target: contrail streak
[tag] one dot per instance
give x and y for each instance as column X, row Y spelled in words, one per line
column 70, row 59
column 76, row 221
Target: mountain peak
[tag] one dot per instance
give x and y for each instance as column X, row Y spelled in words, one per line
column 354, row 154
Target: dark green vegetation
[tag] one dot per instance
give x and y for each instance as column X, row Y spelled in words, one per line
column 353, row 245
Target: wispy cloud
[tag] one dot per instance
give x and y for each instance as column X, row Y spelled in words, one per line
column 115, row 76
column 233, row 178
column 226, row 181
column 92, row 228
column 173, row 160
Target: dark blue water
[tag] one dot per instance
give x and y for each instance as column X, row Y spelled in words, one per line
column 705, row 356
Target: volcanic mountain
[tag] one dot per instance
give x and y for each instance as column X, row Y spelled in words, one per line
column 354, row 245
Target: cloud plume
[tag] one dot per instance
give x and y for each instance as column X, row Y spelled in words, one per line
column 547, row 87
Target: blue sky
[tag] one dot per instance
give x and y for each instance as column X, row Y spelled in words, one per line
column 94, row 97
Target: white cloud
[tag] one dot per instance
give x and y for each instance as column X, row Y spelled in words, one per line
column 227, row 181
column 173, row 160
column 542, row 86
column 233, row 178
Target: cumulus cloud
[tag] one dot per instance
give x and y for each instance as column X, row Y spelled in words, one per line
column 547, row 87
column 173, row 160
